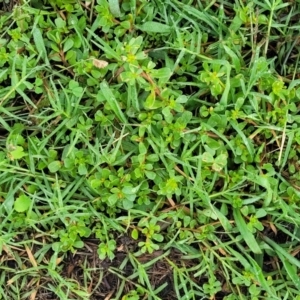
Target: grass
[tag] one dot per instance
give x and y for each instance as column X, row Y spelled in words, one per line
column 149, row 149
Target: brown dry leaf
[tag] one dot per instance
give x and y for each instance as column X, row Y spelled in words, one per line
column 7, row 250
column 120, row 248
column 100, row 64
column 12, row 280
column 273, row 228
column 109, row 295
column 70, row 269
column 33, row 295
column 222, row 251
column 59, row 260
column 171, row 201
column 31, row 257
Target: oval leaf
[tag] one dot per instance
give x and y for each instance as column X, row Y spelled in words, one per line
column 22, row 203
column 54, row 166
column 157, row 27
column 207, row 158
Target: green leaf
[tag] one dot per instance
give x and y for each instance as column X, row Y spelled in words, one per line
column 112, row 200
column 142, row 148
column 69, row 43
column 247, row 141
column 264, row 181
column 260, row 213
column 234, row 57
column 39, row 43
column 155, row 27
column 56, row 246
column 151, row 102
column 282, row 252
column 167, row 114
column 22, row 203
column 54, row 166
column 260, row 277
column 78, row 244
column 109, row 52
column 134, row 44
column 133, row 96
column 152, row 158
column 130, row 190
column 135, row 234
column 127, row 204
column 220, row 162
column 161, row 73
column 246, row 234
column 158, row 237
column 150, row 174
column 114, row 104
column 130, row 197
column 75, row 88
column 291, row 271
column 222, row 218
column 82, row 170
column 17, row 153
column 114, row 8
column 207, row 158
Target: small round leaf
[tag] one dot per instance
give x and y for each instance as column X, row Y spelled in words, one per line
column 22, row 203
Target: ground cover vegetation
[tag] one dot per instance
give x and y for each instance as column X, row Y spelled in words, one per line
column 149, row 149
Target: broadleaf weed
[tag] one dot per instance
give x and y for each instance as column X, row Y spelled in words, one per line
column 174, row 123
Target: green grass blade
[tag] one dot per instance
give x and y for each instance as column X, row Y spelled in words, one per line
column 291, row 271
column 155, row 27
column 39, row 43
column 246, row 234
column 113, row 102
column 281, row 251
column 132, row 96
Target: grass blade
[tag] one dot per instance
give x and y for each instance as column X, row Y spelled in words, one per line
column 39, row 43
column 282, row 252
column 155, row 27
column 111, row 99
column 246, row 234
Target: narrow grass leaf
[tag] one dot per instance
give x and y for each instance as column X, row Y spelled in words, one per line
column 39, row 43
column 246, row 234
column 288, row 147
column 291, row 270
column 221, row 136
column 132, row 95
column 201, row 16
column 261, row 278
column 281, row 251
column 111, row 99
column 235, row 59
column 223, row 220
column 2, row 121
column 109, row 52
column 264, row 181
column 156, row 27
column 246, row 141
column 240, row 257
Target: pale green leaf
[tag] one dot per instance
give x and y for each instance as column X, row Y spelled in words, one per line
column 155, row 27
column 22, row 203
